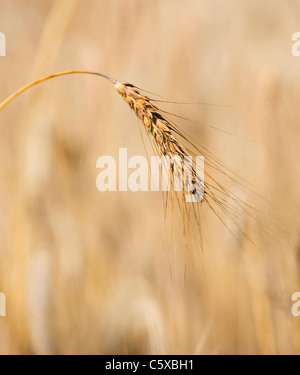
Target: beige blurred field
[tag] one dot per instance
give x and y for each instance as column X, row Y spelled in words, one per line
column 86, row 272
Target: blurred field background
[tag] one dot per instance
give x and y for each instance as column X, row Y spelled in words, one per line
column 91, row 273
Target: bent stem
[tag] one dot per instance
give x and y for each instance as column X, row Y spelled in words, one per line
column 27, row 87
column 168, row 140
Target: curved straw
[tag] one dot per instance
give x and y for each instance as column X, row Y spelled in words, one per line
column 25, row 88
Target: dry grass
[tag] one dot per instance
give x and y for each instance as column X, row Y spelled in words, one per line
column 88, row 273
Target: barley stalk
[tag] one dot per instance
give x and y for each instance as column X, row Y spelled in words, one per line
column 165, row 136
column 161, row 130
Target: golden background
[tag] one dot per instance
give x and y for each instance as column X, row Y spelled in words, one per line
column 86, row 272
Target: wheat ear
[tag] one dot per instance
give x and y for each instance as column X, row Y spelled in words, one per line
column 161, row 130
column 165, row 136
